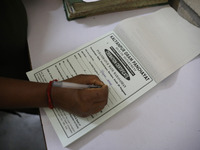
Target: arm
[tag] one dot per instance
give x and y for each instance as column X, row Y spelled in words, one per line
column 24, row 94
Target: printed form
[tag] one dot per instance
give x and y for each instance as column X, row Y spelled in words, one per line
column 109, row 59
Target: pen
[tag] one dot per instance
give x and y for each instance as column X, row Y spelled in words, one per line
column 73, row 85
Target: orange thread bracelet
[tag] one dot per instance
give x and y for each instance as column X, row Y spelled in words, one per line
column 50, row 104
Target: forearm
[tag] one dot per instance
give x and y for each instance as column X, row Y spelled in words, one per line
column 22, row 94
column 82, row 102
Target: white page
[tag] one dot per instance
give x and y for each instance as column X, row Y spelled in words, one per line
column 162, row 41
column 100, row 58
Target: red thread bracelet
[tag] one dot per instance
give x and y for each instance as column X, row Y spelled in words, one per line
column 50, row 104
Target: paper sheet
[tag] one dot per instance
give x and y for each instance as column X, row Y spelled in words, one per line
column 114, row 64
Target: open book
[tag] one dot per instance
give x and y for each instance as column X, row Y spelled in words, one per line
column 133, row 58
column 79, row 8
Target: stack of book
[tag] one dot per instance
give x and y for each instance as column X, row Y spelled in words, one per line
column 78, row 8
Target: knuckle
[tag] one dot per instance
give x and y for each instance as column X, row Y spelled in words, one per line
column 85, row 109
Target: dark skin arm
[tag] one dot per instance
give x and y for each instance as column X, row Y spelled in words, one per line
column 82, row 102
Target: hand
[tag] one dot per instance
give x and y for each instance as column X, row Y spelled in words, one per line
column 82, row 102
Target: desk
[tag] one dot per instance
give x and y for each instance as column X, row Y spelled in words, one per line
column 166, row 117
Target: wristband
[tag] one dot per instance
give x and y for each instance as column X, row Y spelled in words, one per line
column 50, row 104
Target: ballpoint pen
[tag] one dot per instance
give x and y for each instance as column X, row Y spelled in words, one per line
column 73, row 85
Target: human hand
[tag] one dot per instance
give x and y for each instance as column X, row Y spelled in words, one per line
column 82, row 102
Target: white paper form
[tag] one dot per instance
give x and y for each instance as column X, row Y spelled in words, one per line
column 114, row 64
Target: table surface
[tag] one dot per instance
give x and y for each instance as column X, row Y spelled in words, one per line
column 166, row 117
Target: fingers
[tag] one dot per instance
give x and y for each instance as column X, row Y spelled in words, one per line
column 87, row 101
column 91, row 101
column 95, row 94
column 98, row 107
column 95, row 108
